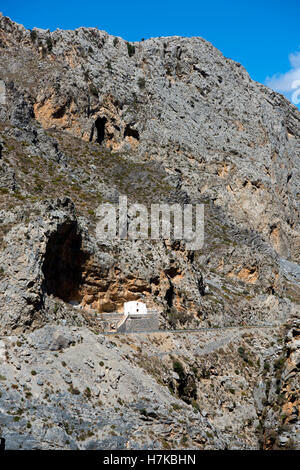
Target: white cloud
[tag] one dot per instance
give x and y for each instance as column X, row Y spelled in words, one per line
column 296, row 94
column 288, row 83
column 295, row 59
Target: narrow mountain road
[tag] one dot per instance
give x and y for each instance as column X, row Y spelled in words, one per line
column 194, row 330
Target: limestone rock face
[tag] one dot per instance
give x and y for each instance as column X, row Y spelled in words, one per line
column 85, row 118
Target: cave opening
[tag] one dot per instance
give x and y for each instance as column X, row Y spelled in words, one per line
column 100, row 129
column 130, row 132
column 59, row 113
column 169, row 296
column 63, row 263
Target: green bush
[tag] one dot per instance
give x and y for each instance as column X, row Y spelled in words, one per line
column 73, row 390
column 195, row 405
column 33, row 35
column 174, row 316
column 93, row 90
column 49, row 44
column 279, row 363
column 130, row 49
column 176, row 407
column 141, row 82
column 178, row 368
column 243, row 354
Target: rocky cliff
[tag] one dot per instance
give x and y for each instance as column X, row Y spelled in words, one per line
column 84, row 118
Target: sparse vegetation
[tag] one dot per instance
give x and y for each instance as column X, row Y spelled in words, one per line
column 33, row 35
column 49, row 44
column 93, row 90
column 141, row 83
column 130, row 49
column 279, row 363
column 73, row 390
column 178, row 368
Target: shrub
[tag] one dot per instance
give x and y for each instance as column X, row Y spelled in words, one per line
column 73, row 390
column 178, row 368
column 49, row 44
column 130, row 49
column 67, row 429
column 243, row 354
column 195, row 405
column 175, row 406
column 174, row 316
column 279, row 363
column 93, row 90
column 165, row 444
column 141, row 82
column 184, row 440
column 33, row 35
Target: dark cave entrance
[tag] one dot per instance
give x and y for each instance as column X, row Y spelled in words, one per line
column 100, row 129
column 130, row 132
column 63, row 263
column 169, row 296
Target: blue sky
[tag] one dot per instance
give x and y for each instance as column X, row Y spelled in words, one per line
column 264, row 36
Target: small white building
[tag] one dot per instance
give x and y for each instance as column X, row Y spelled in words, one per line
column 134, row 308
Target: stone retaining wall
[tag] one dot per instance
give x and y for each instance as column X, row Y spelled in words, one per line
column 109, row 321
column 136, row 323
column 133, row 323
